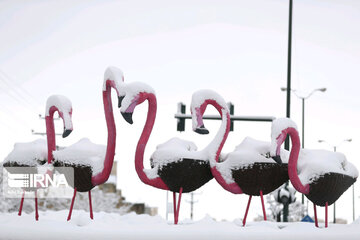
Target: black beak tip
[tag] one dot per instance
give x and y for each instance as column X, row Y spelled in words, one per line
column 202, row 130
column 120, row 100
column 277, row 159
column 127, row 116
column 66, row 133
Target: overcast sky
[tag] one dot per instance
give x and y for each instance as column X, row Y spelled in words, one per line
column 238, row 48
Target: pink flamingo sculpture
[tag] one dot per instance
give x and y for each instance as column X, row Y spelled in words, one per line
column 323, row 176
column 247, row 170
column 175, row 165
column 92, row 163
column 34, row 154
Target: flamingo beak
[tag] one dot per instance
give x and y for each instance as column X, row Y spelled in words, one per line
column 66, row 132
column 120, row 100
column 127, row 116
column 277, row 159
column 201, row 130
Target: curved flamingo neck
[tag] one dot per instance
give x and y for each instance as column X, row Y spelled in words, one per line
column 293, row 159
column 103, row 176
column 50, row 132
column 217, row 144
column 140, row 148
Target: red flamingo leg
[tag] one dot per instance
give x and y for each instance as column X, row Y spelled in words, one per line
column 72, row 205
column 178, row 206
column 326, row 214
column 315, row 216
column 174, row 202
column 247, row 210
column 90, row 206
column 263, row 205
column 36, row 207
column 21, row 203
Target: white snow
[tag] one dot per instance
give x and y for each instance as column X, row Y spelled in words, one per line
column 314, row 163
column 131, row 91
column 63, row 104
column 114, row 74
column 132, row 227
column 277, row 126
column 173, row 150
column 28, row 153
column 248, row 152
column 84, row 152
column 199, row 97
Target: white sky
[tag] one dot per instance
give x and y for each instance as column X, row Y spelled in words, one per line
column 238, row 48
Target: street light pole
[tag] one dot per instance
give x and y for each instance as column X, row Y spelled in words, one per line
column 335, row 147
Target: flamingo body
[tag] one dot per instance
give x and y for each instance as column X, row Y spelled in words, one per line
column 81, row 180
column 320, row 192
column 265, row 177
column 86, row 158
column 189, row 174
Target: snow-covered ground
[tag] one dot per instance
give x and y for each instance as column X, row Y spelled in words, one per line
column 53, row 225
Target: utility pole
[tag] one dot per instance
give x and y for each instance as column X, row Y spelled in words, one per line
column 192, row 202
column 287, row 147
column 44, row 133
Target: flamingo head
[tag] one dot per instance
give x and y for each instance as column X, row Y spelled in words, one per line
column 114, row 77
column 63, row 106
column 134, row 94
column 198, row 124
column 199, row 102
column 279, row 131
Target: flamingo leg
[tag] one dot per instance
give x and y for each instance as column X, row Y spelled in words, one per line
column 21, row 203
column 90, row 206
column 72, row 205
column 174, row 201
column 326, row 214
column 247, row 210
column 315, row 216
column 36, row 207
column 262, row 203
column 178, row 206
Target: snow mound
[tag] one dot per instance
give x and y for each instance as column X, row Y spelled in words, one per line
column 173, row 150
column 84, row 152
column 28, row 153
column 248, row 152
column 314, row 163
column 132, row 226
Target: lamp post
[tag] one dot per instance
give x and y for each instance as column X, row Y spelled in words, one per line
column 335, row 147
column 303, row 98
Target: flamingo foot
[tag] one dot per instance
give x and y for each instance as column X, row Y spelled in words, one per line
column 315, row 216
column 247, row 210
column 21, row 203
column 263, row 205
column 72, row 205
column 90, row 206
